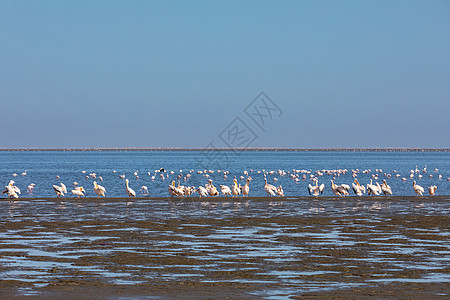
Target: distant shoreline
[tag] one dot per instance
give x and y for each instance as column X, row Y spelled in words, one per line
column 239, row 199
column 237, row 149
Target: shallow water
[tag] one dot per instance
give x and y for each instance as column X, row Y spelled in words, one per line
column 43, row 167
column 278, row 246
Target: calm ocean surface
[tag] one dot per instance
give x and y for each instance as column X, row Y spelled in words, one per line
column 43, row 167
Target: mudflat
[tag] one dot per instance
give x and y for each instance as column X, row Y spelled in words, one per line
column 293, row 247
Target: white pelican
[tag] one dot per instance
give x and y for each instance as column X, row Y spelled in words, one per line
column 175, row 191
column 280, row 191
column 346, row 187
column 12, row 190
column 270, row 189
column 60, row 190
column 30, row 188
column 358, row 189
column 246, row 187
column 373, row 189
column 235, row 189
column 172, row 188
column 144, row 190
column 186, row 190
column 339, row 190
column 432, row 189
column 130, row 191
column 99, row 190
column 212, row 190
column 317, row 189
column 181, row 189
column 386, row 189
column 225, row 190
column 79, row 191
column 418, row 189
column 203, row 192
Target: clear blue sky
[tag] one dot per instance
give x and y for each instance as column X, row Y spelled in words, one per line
column 176, row 73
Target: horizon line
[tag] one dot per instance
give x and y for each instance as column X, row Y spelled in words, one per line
column 362, row 149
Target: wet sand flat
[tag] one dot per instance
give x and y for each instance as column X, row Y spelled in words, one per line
column 293, row 247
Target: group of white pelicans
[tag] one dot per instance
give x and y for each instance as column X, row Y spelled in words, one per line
column 235, row 190
column 340, row 190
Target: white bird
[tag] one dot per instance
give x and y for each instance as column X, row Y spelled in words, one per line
column 212, row 190
column 432, row 189
column 175, row 191
column 99, row 190
column 317, row 189
column 373, row 189
column 60, row 190
column 171, row 188
column 339, row 190
column 225, row 190
column 79, row 191
column 30, row 188
column 246, row 187
column 280, row 191
column 386, row 189
column 418, row 189
column 188, row 190
column 346, row 187
column 130, row 191
column 268, row 188
column 203, row 192
column 144, row 190
column 11, row 190
column 235, row 189
column 181, row 189
column 358, row 188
